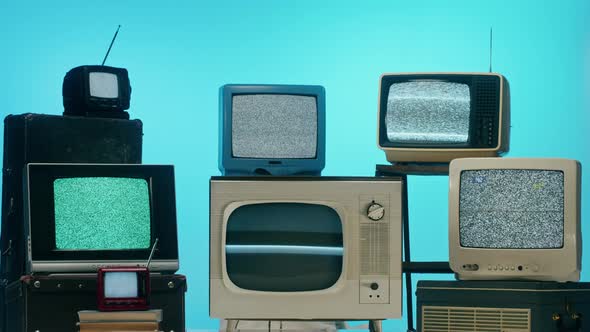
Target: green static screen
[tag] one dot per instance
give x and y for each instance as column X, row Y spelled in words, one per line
column 101, row 213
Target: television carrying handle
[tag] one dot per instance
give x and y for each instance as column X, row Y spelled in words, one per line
column 408, row 267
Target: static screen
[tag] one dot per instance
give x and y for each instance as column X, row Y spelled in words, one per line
column 274, row 126
column 428, row 112
column 101, row 213
column 511, row 209
column 120, row 285
column 103, row 85
column 284, row 247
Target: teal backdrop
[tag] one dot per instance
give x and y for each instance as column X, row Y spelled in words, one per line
column 179, row 53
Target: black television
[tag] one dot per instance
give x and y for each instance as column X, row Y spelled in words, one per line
column 81, row 217
column 97, row 91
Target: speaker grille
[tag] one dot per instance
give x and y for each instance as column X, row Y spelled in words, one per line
column 374, row 243
column 459, row 319
column 487, row 103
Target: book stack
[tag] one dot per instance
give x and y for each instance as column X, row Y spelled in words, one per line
column 119, row 321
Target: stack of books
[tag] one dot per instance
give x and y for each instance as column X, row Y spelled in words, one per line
column 119, row 321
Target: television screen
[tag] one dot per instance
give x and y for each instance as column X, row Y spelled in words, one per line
column 428, row 111
column 121, row 285
column 284, row 247
column 272, row 129
column 511, row 209
column 98, row 213
column 274, row 126
column 81, row 217
column 103, row 85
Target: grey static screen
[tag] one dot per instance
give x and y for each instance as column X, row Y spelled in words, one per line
column 511, row 209
column 429, row 111
column 274, row 126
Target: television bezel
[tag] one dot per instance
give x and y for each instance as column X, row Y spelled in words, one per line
column 231, row 165
column 443, row 152
column 40, row 223
column 557, row 264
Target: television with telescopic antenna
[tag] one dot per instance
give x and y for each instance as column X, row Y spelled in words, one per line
column 97, row 90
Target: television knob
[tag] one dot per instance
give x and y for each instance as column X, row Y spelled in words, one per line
column 375, row 211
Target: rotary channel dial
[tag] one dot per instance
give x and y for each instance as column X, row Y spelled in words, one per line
column 375, row 211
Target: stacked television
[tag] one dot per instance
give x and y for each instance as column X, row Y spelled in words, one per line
column 88, row 218
column 299, row 246
column 514, row 223
column 288, row 244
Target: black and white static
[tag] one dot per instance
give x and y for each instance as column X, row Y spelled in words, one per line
column 511, row 209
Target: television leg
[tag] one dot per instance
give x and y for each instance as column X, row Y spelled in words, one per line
column 375, row 326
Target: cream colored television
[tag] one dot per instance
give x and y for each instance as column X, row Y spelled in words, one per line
column 303, row 248
column 437, row 117
column 515, row 218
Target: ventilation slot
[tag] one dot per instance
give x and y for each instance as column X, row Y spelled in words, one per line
column 374, row 244
column 459, row 319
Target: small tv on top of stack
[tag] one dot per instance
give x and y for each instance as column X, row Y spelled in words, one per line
column 272, row 129
column 97, row 91
column 437, row 117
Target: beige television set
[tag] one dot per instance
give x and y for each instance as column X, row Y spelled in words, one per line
column 305, row 248
column 515, row 218
column 437, row 117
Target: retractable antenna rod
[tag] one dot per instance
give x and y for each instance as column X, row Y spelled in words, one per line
column 110, row 46
column 490, row 49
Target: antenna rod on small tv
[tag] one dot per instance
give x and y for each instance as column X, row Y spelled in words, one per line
column 147, row 266
column 490, row 49
column 110, row 46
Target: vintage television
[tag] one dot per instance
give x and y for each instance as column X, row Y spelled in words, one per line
column 272, row 129
column 515, row 218
column 437, row 117
column 97, row 91
column 81, row 217
column 123, row 288
column 300, row 248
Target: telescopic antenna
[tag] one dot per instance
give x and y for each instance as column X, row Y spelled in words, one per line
column 110, row 46
column 151, row 254
column 490, row 49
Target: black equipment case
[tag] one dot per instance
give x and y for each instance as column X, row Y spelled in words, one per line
column 53, row 139
column 51, row 303
column 507, row 306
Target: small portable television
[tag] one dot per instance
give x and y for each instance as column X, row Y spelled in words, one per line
column 437, row 117
column 272, row 129
column 81, row 217
column 123, row 288
column 303, row 248
column 97, row 91
column 515, row 218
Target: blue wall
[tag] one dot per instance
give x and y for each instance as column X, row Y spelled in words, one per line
column 178, row 56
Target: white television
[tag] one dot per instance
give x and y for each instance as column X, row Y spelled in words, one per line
column 302, row 248
column 515, row 218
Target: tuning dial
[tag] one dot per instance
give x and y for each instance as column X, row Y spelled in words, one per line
column 375, row 211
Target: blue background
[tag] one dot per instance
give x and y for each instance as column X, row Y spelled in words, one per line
column 179, row 54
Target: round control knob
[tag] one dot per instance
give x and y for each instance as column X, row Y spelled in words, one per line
column 375, row 211
column 374, row 286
